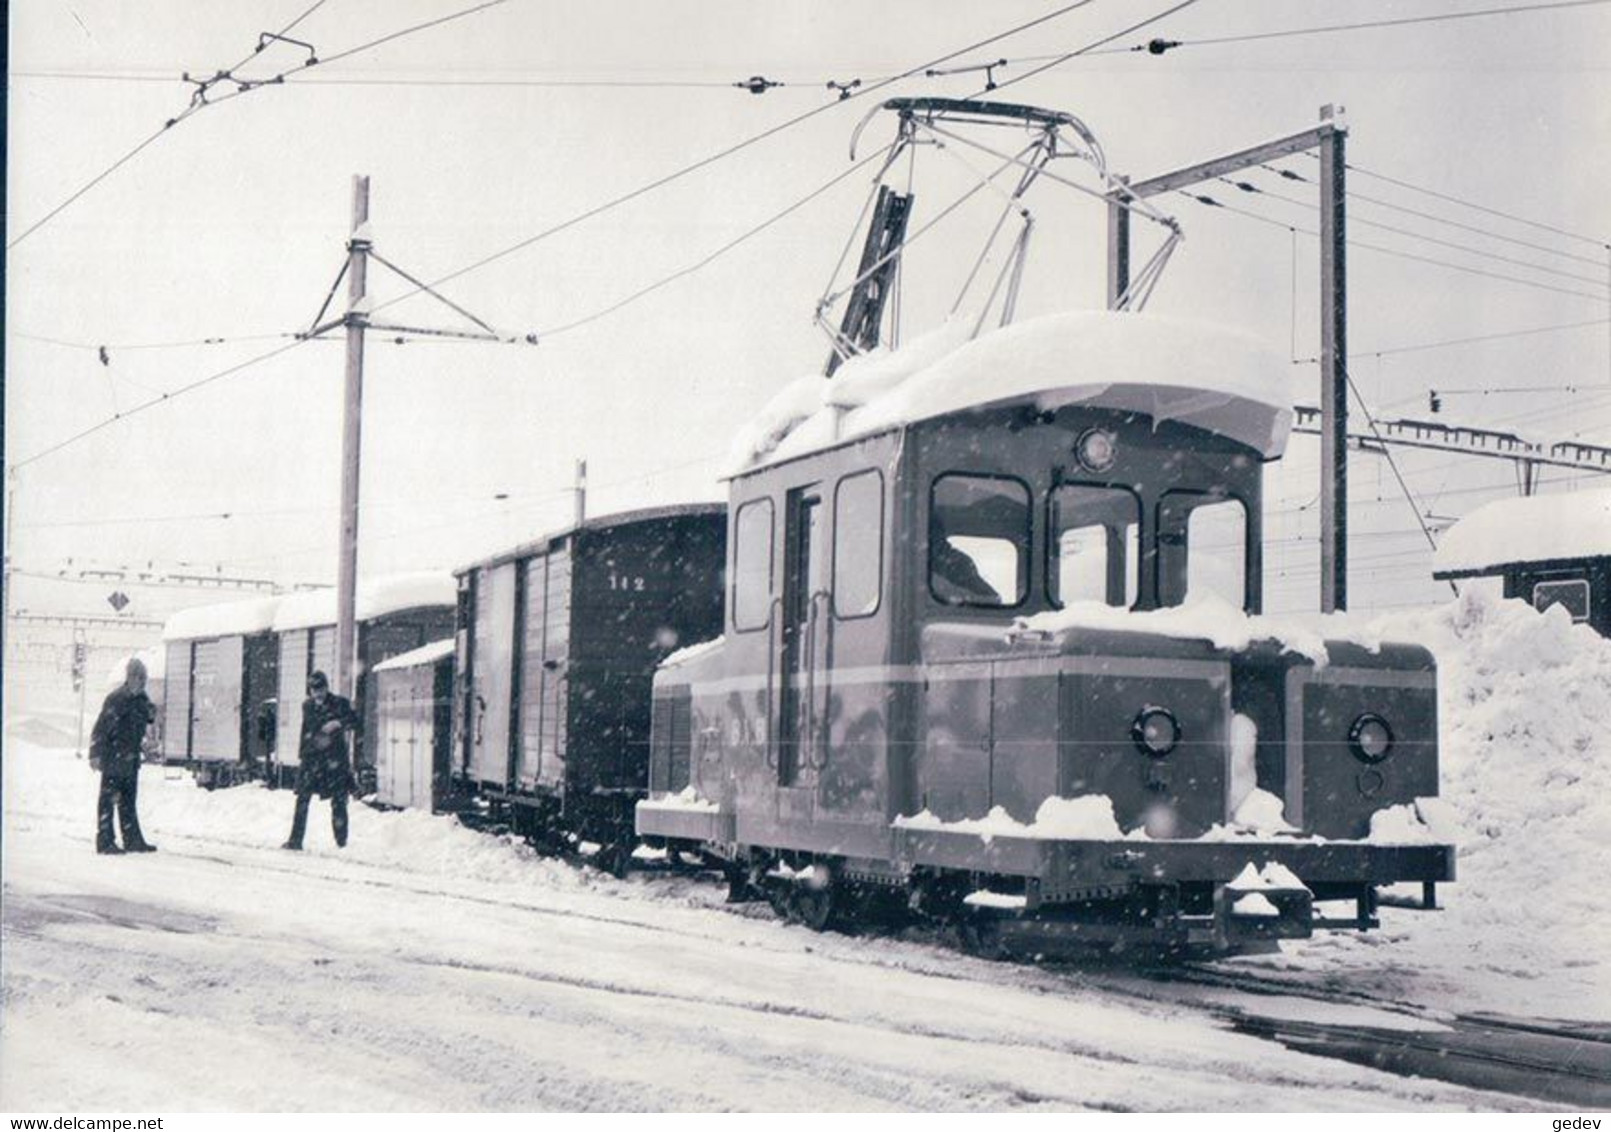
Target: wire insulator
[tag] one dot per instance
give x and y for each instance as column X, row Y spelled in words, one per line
column 757, row 84
column 1159, row 46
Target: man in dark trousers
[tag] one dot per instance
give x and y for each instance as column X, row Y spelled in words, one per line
column 324, row 768
column 115, row 749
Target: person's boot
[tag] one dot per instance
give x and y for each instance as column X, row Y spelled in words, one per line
column 109, row 848
column 292, row 845
column 141, row 847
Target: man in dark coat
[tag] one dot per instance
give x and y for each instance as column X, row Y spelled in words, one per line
column 115, row 749
column 324, row 768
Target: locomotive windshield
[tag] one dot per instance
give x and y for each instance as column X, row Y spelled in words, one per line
column 1096, row 545
column 979, row 528
column 1202, row 548
column 1103, row 543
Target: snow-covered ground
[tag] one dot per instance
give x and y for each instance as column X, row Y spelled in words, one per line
column 428, row 966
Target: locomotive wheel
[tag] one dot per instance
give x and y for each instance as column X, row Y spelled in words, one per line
column 781, row 896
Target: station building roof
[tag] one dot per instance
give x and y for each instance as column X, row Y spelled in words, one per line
column 1561, row 526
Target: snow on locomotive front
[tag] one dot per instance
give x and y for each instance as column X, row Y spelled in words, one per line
column 993, row 645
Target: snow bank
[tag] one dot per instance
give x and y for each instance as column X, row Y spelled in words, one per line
column 1570, row 524
column 222, row 619
column 1167, row 368
column 375, row 598
column 425, row 654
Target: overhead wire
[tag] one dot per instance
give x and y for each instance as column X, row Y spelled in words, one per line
column 714, row 255
column 158, row 400
column 1597, row 241
column 737, row 147
column 1249, row 187
column 94, row 347
column 1365, row 25
column 200, row 101
column 1500, row 335
column 1213, row 203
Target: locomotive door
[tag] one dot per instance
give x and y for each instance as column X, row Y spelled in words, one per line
column 804, row 625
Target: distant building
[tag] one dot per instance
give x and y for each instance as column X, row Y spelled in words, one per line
column 1549, row 549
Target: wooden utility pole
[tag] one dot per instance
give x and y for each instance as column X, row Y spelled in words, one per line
column 352, row 436
column 1333, row 366
column 579, row 490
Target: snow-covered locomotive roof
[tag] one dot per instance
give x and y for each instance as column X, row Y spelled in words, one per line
column 222, row 619
column 1170, row 369
column 375, row 598
column 1535, row 528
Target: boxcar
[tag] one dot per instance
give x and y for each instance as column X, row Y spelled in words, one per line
column 395, row 614
column 219, row 688
column 960, row 619
column 557, row 646
column 413, row 696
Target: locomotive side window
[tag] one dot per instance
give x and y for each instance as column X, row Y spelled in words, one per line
column 1573, row 593
column 979, row 540
column 752, row 566
column 1095, row 545
column 858, row 544
column 1202, row 548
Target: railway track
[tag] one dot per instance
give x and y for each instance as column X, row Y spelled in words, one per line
column 1560, row 1062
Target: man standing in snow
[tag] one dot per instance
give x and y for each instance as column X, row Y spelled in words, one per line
column 324, row 768
column 115, row 750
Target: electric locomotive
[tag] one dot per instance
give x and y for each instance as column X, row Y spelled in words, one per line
column 992, row 647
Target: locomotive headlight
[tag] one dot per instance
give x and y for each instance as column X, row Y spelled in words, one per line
column 1096, row 449
column 1156, row 731
column 1370, row 738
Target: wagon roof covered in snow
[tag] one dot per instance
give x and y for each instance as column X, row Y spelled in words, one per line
column 541, row 544
column 425, row 654
column 1168, row 368
column 375, row 598
column 222, row 619
column 1535, row 528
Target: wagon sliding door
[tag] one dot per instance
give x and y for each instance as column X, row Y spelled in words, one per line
column 492, row 675
column 216, row 704
column 176, row 703
column 293, row 681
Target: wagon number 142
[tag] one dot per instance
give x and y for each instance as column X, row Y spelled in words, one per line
column 630, row 584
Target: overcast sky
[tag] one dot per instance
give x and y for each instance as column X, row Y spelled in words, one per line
column 485, row 131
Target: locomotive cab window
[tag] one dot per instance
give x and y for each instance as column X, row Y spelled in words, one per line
column 1573, row 593
column 1202, row 548
column 752, row 566
column 858, row 544
column 1095, row 545
column 979, row 540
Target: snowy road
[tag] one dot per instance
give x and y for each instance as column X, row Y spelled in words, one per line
column 221, row 974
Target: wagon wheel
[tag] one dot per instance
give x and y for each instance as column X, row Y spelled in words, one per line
column 981, row 937
column 615, row 859
column 814, row 907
